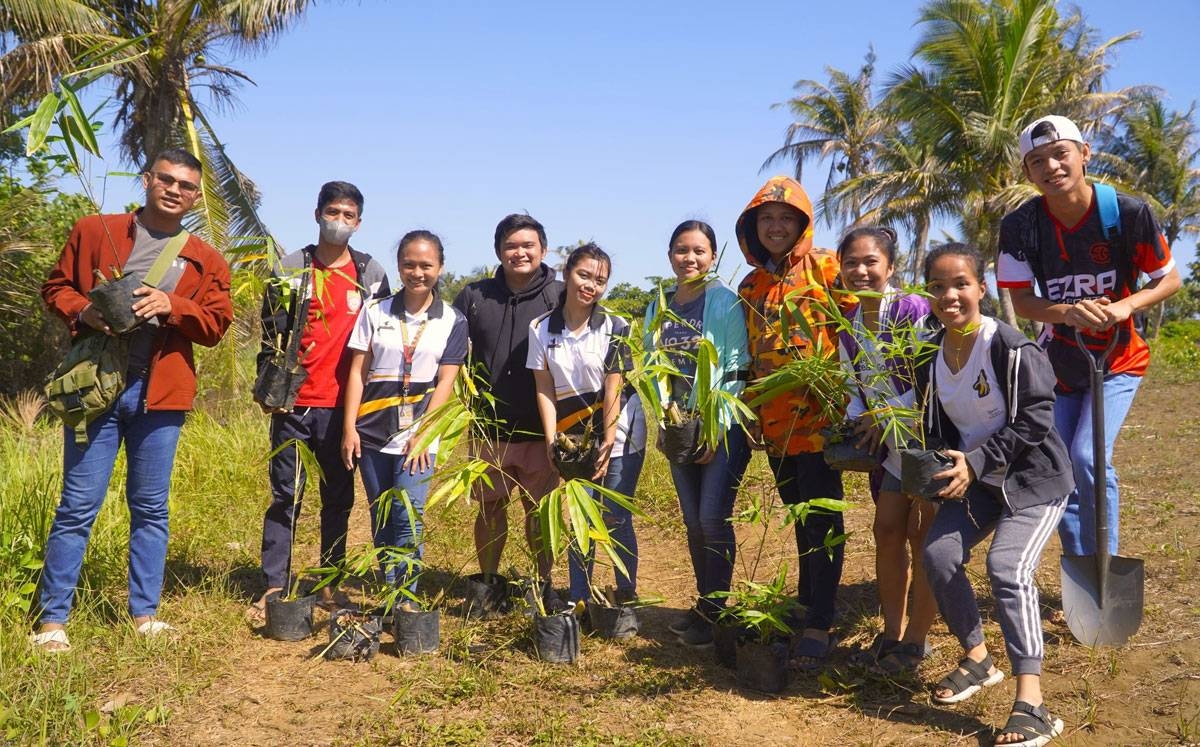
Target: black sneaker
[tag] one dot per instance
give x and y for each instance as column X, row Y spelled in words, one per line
column 685, row 621
column 700, row 635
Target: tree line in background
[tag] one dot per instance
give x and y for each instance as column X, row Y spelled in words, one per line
column 937, row 139
column 933, row 141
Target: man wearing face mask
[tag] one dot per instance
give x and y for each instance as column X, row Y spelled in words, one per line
column 315, row 293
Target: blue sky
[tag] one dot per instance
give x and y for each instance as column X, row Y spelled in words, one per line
column 608, row 121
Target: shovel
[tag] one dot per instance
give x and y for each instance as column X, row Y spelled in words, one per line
column 1101, row 593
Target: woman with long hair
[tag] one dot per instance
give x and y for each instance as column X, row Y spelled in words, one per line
column 699, row 307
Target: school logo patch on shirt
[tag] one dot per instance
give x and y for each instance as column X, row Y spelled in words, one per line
column 1100, row 254
column 353, row 301
column 981, row 385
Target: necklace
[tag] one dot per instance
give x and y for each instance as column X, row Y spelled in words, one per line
column 966, row 341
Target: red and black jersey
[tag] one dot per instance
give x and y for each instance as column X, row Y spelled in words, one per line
column 1073, row 263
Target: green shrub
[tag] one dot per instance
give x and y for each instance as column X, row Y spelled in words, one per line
column 1176, row 353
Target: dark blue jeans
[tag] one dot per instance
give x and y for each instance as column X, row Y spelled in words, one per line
column 402, row 533
column 150, row 439
column 802, row 477
column 320, row 429
column 622, row 477
column 706, row 496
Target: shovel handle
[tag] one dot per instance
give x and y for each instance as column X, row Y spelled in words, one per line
column 1097, row 360
column 1099, row 453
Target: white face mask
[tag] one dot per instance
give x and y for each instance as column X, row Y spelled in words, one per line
column 336, row 232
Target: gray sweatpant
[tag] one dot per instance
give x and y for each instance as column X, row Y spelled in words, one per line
column 1013, row 557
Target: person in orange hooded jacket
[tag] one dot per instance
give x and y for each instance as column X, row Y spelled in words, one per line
column 790, row 279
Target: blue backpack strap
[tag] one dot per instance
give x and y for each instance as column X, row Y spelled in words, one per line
column 1110, row 215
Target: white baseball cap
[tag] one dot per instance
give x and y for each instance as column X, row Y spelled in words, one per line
column 1048, row 129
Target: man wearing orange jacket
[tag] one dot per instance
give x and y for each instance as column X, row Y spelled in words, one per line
column 191, row 304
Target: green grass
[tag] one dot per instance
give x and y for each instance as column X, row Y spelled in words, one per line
column 75, row 698
column 1175, row 354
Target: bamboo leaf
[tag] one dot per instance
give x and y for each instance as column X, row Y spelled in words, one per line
column 577, row 498
column 87, row 138
column 39, row 123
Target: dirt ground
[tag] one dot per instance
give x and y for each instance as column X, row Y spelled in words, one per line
column 485, row 687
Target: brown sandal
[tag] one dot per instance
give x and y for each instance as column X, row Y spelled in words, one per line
column 256, row 614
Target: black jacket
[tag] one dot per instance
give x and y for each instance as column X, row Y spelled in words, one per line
column 1028, row 448
column 498, row 324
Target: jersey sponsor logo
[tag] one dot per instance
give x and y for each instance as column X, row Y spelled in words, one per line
column 981, row 385
column 1100, row 254
column 1084, row 285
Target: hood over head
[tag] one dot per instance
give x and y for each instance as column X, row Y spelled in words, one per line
column 777, row 189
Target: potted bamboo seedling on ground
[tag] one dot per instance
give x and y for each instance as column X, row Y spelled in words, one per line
column 415, row 615
column 613, row 615
column 758, row 615
column 572, row 513
column 764, row 614
column 289, row 613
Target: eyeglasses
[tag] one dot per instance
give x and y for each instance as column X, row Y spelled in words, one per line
column 167, row 181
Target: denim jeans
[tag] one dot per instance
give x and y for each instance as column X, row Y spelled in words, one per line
column 398, row 529
column 1073, row 418
column 706, row 497
column 150, row 439
column 320, row 429
column 622, row 477
column 799, row 478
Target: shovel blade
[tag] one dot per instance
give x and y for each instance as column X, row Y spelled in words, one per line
column 1102, row 618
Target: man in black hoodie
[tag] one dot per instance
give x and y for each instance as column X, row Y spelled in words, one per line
column 499, row 310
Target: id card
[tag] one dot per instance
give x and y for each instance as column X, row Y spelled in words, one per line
column 404, row 417
column 404, row 423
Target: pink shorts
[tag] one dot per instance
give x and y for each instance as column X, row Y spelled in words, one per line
column 513, row 464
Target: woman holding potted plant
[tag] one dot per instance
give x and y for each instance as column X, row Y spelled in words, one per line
column 579, row 355
column 786, row 292
column 700, row 312
column 989, row 393
column 877, row 346
column 406, row 351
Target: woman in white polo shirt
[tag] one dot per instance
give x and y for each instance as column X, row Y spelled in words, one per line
column 406, row 350
column 579, row 354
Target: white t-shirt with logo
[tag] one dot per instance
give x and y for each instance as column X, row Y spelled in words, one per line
column 578, row 362
column 443, row 341
column 971, row 398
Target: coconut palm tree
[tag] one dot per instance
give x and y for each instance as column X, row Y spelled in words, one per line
column 156, row 100
column 1154, row 156
column 837, row 122
column 982, row 70
column 909, row 186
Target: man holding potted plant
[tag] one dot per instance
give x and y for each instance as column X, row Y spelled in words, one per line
column 309, row 308
column 188, row 302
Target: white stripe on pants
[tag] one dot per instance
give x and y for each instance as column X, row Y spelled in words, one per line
column 1012, row 559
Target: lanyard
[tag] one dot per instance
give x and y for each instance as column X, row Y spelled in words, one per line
column 409, row 350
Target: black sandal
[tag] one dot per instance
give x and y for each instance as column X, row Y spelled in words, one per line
column 903, row 658
column 879, row 648
column 1032, row 722
column 963, row 686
